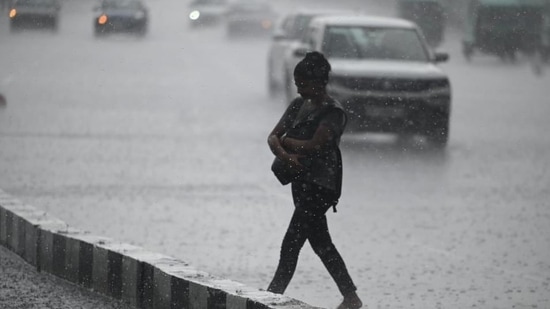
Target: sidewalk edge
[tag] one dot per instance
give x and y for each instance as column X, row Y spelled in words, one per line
column 122, row 271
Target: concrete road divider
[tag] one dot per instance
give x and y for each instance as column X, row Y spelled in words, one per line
column 122, row 271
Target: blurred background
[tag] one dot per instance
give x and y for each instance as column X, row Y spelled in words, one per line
column 156, row 136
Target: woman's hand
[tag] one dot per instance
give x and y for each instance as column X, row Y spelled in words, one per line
column 293, row 160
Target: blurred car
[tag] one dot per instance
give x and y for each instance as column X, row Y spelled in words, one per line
column 383, row 72
column 121, row 16
column 34, row 14
column 250, row 18
column 206, row 12
column 287, row 33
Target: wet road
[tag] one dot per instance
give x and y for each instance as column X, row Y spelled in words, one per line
column 161, row 142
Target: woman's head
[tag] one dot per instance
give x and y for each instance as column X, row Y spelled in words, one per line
column 311, row 74
column 314, row 67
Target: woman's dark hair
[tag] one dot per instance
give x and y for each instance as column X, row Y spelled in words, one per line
column 314, row 66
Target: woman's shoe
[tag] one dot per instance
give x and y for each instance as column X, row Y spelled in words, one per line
column 351, row 301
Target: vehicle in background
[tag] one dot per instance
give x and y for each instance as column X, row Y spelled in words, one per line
column 429, row 15
column 116, row 16
column 546, row 33
column 503, row 28
column 206, row 12
column 250, row 18
column 286, row 34
column 25, row 14
column 384, row 73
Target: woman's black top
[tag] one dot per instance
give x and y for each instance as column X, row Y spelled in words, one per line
column 323, row 167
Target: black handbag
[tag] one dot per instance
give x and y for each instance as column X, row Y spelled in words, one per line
column 285, row 173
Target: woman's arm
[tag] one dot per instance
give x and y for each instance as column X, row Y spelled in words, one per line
column 274, row 140
column 323, row 137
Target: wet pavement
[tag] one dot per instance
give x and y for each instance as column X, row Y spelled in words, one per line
column 22, row 287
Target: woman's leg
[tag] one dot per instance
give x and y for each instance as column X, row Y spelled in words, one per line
column 293, row 242
column 322, row 244
column 318, row 202
column 309, row 222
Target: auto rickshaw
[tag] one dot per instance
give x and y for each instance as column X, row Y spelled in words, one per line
column 429, row 15
column 503, row 27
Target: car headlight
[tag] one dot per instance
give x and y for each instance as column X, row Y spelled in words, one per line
column 139, row 15
column 194, row 15
column 440, row 84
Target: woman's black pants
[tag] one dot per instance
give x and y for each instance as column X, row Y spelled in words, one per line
column 310, row 223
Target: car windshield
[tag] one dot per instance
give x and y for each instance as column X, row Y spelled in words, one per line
column 359, row 42
column 300, row 26
column 121, row 4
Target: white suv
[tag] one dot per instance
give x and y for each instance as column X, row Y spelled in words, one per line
column 383, row 72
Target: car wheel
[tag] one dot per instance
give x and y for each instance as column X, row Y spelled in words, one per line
column 3, row 101
column 511, row 56
column 13, row 27
column 467, row 51
column 545, row 54
column 438, row 135
column 98, row 33
column 142, row 31
column 54, row 25
column 231, row 32
column 272, row 86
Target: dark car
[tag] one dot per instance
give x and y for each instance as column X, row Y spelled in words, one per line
column 34, row 14
column 250, row 18
column 206, row 12
column 114, row 16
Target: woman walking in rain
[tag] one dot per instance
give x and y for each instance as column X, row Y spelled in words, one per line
column 306, row 140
